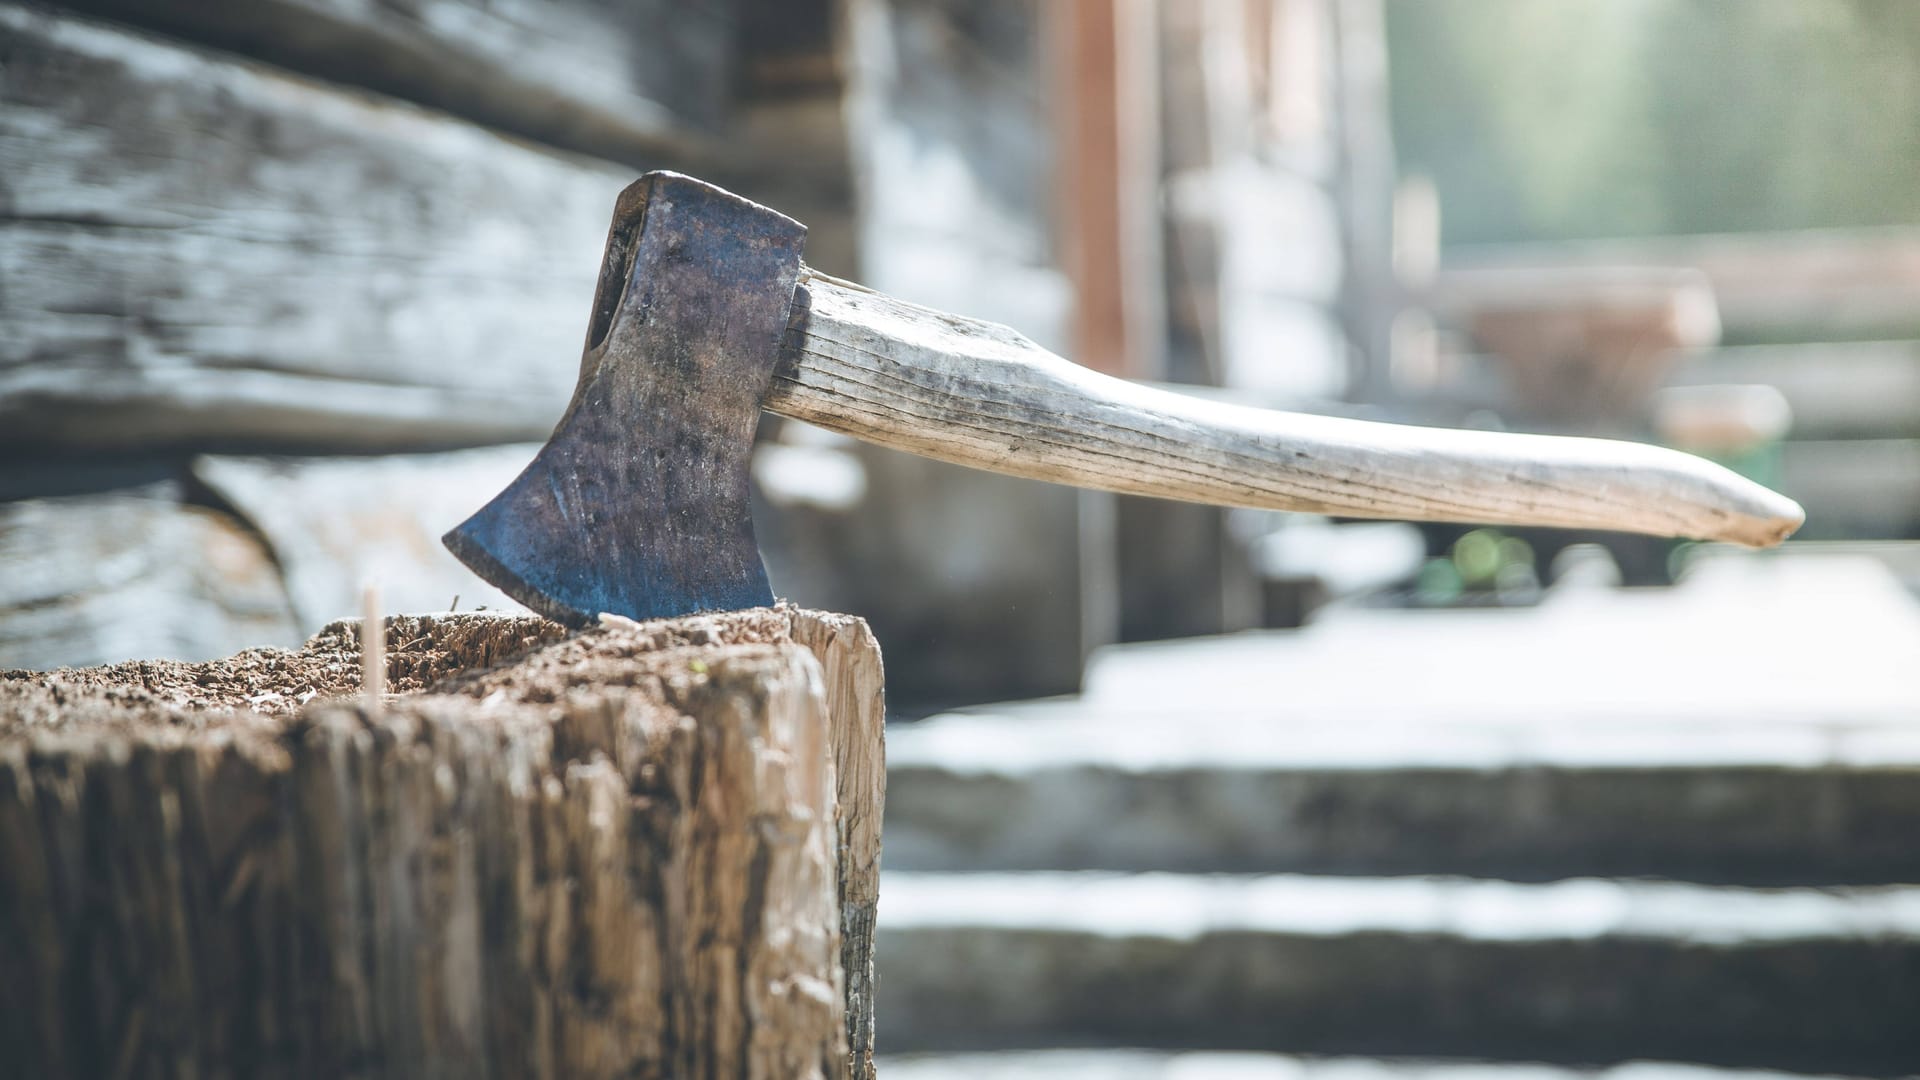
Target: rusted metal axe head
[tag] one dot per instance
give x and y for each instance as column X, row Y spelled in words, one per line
column 705, row 315
column 639, row 505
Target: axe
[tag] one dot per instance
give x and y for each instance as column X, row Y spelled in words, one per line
column 705, row 315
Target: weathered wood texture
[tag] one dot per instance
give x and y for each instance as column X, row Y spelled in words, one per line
column 614, row 854
column 624, row 81
column 197, row 250
column 856, row 706
column 285, row 545
column 337, row 523
column 86, row 579
column 979, row 394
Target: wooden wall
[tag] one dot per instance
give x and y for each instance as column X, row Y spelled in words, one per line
column 1255, row 174
column 976, row 582
column 203, row 250
column 315, row 273
column 329, row 228
column 333, row 229
column 1263, row 207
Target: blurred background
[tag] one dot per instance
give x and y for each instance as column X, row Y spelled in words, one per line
column 289, row 287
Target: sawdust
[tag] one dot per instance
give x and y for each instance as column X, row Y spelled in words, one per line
column 604, row 656
column 422, row 650
column 498, row 658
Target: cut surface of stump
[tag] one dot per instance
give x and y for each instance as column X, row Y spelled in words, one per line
column 640, row 850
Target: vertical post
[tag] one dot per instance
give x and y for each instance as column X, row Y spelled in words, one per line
column 1371, row 296
column 1107, row 56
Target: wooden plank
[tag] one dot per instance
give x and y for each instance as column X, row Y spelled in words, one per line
column 611, row 854
column 849, row 659
column 1107, row 59
column 336, row 524
column 1838, row 390
column 1818, row 285
column 625, row 81
column 87, row 579
column 288, row 265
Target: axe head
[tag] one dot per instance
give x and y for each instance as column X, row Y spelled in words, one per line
column 638, row 505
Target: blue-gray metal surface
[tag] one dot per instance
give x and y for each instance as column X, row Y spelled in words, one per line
column 638, row 505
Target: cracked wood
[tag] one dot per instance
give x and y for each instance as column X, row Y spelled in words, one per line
column 646, row 850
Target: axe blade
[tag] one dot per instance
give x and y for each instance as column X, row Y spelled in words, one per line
column 639, row 503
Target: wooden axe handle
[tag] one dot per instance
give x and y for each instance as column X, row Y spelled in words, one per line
column 979, row 394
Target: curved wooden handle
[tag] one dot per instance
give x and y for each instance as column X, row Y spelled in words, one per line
column 979, row 394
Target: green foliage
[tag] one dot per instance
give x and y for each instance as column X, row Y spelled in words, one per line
column 1564, row 119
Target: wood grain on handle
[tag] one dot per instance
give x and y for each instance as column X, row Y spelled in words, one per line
column 979, row 394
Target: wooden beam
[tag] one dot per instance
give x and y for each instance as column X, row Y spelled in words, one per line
column 1109, row 173
column 137, row 572
column 196, row 250
column 628, row 81
column 1816, row 285
column 336, row 522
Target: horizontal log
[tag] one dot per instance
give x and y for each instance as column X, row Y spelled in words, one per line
column 336, row 524
column 86, row 579
column 195, row 250
column 625, row 81
column 1808, row 286
column 612, row 854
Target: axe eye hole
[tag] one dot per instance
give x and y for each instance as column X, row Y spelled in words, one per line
column 615, row 269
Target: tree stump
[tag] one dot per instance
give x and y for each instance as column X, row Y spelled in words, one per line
column 642, row 850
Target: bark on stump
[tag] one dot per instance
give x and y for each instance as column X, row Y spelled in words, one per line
column 643, row 850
